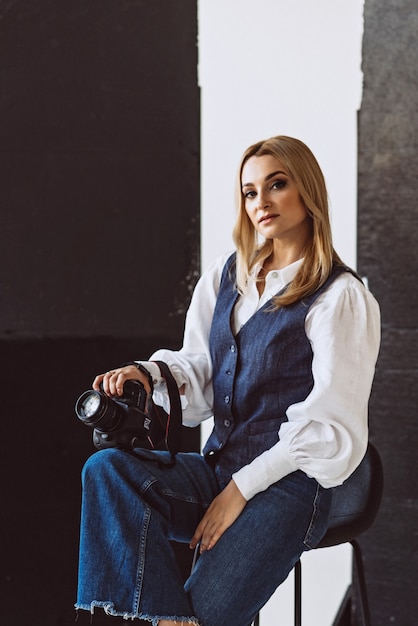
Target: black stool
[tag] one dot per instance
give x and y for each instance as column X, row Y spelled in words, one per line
column 355, row 504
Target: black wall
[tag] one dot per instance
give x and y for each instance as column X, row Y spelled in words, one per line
column 388, row 255
column 99, row 231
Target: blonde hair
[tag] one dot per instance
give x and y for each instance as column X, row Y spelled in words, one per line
column 319, row 255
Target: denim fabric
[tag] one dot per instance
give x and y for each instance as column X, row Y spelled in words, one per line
column 234, row 580
column 257, row 374
column 134, row 503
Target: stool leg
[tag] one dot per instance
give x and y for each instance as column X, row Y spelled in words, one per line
column 297, row 596
column 364, row 602
column 298, row 593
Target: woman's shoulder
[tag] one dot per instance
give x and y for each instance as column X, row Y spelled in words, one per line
column 215, row 267
column 349, row 280
column 207, row 287
column 348, row 291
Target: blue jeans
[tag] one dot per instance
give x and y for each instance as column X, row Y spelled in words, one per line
column 135, row 503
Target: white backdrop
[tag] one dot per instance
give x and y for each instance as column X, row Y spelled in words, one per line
column 269, row 67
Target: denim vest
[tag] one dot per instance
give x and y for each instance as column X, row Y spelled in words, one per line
column 257, row 374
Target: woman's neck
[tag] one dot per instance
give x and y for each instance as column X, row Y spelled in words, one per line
column 280, row 259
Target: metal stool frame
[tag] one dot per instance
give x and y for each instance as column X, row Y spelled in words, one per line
column 354, row 508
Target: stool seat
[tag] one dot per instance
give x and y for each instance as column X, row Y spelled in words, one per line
column 356, row 502
column 354, row 508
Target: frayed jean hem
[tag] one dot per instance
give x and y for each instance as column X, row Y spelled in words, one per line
column 108, row 608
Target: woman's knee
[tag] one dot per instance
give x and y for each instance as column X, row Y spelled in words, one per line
column 100, row 462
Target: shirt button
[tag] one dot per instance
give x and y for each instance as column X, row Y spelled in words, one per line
column 227, row 423
column 227, row 399
column 275, row 275
column 232, row 348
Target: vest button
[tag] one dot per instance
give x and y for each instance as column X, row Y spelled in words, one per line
column 227, row 423
column 227, row 399
column 232, row 348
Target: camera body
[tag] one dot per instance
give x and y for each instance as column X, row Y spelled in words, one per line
column 117, row 422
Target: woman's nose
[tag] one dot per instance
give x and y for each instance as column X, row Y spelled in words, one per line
column 263, row 200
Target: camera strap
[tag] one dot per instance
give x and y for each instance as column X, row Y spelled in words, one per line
column 165, row 428
column 173, row 420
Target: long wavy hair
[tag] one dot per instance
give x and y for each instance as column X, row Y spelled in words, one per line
column 319, row 254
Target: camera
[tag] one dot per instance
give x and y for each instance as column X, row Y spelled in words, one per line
column 117, row 422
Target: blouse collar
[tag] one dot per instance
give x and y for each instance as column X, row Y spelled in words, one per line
column 283, row 276
column 276, row 280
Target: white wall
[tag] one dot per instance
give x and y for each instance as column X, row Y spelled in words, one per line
column 269, row 67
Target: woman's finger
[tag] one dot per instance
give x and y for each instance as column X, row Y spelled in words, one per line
column 113, row 381
column 198, row 533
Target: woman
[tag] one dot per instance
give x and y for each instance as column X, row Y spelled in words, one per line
column 280, row 345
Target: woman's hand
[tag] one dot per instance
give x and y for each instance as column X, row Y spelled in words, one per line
column 114, row 380
column 221, row 514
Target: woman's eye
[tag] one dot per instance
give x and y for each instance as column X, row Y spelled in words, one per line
column 249, row 194
column 279, row 184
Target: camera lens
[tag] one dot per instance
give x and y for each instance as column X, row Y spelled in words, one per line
column 96, row 409
column 89, row 405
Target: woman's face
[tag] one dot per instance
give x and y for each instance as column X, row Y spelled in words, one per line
column 272, row 201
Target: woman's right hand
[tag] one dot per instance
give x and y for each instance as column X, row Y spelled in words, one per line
column 114, row 380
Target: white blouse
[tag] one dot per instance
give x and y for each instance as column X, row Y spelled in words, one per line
column 326, row 434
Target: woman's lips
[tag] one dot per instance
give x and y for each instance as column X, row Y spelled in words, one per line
column 267, row 218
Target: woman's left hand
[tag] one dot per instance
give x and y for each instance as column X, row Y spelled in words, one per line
column 221, row 514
